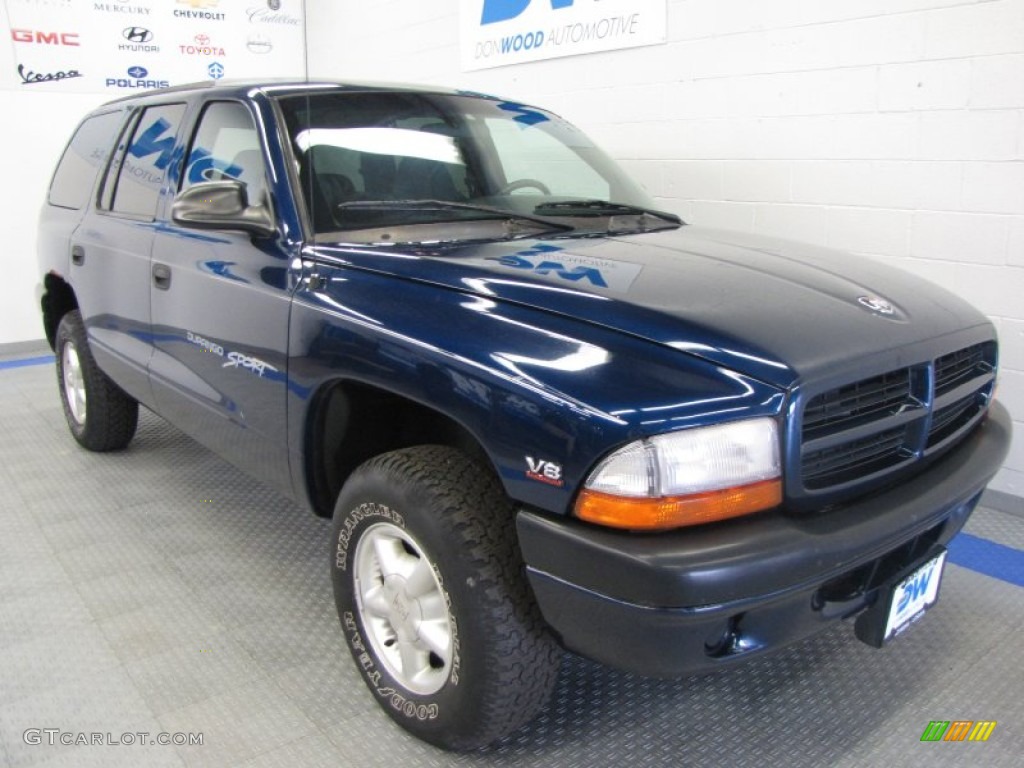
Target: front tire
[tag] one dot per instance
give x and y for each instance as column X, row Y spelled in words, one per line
column 98, row 412
column 433, row 600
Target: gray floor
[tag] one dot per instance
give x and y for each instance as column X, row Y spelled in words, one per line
column 159, row 590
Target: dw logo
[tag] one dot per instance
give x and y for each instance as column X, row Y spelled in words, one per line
column 913, row 590
column 503, row 10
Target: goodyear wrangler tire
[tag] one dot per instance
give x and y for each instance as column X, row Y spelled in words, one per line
column 433, row 601
column 98, row 412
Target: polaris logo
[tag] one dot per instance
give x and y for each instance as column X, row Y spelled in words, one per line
column 136, row 79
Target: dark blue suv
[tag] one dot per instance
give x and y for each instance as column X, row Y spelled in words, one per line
column 542, row 412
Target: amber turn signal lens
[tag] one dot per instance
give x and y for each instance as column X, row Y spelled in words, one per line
column 643, row 514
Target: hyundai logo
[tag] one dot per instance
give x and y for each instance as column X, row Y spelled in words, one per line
column 137, row 72
column 137, row 34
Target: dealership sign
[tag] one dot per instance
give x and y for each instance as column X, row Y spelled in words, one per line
column 494, row 33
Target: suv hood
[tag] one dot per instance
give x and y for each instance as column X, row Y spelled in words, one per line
column 777, row 310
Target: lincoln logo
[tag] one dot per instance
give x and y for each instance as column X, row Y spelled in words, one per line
column 877, row 304
column 137, row 34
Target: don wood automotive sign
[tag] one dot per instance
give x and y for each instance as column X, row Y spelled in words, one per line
column 495, row 33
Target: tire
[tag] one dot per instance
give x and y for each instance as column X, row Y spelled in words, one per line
column 433, row 598
column 99, row 414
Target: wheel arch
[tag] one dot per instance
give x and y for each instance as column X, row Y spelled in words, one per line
column 57, row 300
column 349, row 422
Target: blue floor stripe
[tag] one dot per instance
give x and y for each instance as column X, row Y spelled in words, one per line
column 988, row 557
column 26, row 361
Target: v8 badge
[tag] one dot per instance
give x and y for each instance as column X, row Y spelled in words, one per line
column 545, row 471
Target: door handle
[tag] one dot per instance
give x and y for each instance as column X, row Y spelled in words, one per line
column 77, row 255
column 162, row 276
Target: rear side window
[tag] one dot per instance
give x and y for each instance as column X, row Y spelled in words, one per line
column 84, row 156
column 149, row 156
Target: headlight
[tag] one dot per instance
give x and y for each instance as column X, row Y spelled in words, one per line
column 686, row 478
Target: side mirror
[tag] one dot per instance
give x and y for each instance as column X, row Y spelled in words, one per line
column 221, row 205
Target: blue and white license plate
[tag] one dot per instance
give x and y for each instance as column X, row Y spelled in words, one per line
column 913, row 596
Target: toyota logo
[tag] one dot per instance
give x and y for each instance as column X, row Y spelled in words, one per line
column 137, row 34
column 202, row 39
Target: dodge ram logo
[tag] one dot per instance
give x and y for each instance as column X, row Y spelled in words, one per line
column 877, row 304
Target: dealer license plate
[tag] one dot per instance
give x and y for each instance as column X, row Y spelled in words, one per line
column 913, row 596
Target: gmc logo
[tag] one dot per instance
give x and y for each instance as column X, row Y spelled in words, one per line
column 48, row 38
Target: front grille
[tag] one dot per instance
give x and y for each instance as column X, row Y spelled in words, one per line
column 856, row 403
column 870, row 429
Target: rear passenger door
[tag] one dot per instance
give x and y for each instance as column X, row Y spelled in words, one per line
column 110, row 249
column 220, row 302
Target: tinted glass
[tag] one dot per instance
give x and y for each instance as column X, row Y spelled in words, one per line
column 85, row 155
column 149, row 156
column 226, row 146
column 357, row 147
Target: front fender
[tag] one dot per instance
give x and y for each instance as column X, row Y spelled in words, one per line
column 546, row 396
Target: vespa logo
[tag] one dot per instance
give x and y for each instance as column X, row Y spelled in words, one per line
column 503, row 10
column 137, row 34
column 876, row 304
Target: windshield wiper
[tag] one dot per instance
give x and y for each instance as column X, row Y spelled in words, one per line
column 373, row 221
column 601, row 208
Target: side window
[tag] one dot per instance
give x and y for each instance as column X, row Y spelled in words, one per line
column 85, row 155
column 145, row 164
column 226, row 146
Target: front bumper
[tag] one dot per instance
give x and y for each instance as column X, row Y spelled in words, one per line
column 698, row 599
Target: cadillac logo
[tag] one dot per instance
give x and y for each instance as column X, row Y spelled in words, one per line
column 877, row 304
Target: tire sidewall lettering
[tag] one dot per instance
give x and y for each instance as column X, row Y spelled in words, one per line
column 391, row 695
column 358, row 515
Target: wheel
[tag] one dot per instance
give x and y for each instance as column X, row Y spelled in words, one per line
column 512, row 186
column 100, row 415
column 433, row 599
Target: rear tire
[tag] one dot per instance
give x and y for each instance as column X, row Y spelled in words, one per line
column 433, row 599
column 98, row 412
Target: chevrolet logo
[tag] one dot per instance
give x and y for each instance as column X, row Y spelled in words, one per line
column 200, row 3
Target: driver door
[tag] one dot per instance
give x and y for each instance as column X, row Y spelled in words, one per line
column 220, row 302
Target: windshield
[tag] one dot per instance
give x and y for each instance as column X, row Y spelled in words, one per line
column 368, row 161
